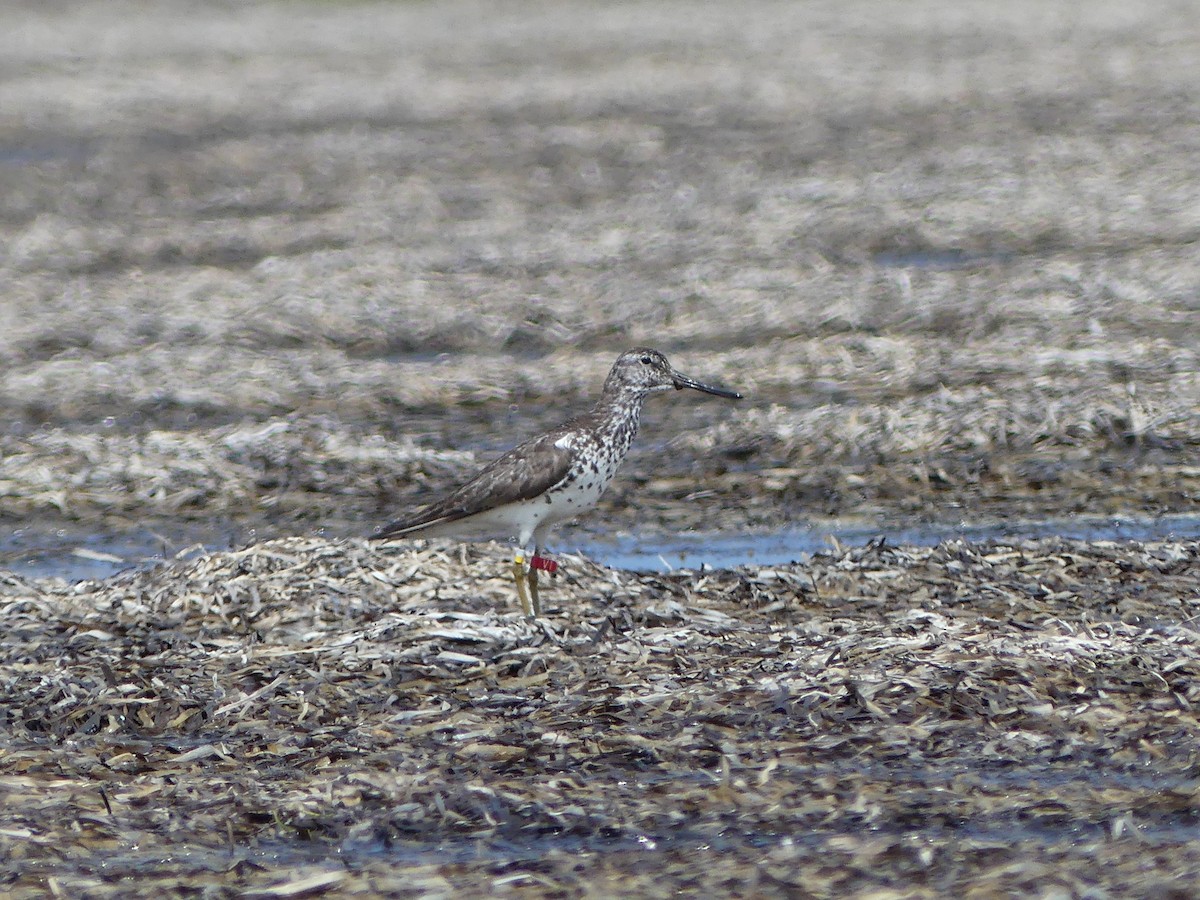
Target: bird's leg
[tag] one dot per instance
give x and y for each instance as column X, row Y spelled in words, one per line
column 533, row 581
column 521, row 577
column 539, row 562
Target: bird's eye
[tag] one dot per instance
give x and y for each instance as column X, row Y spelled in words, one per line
column 645, row 360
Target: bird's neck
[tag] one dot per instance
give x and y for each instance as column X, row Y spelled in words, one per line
column 620, row 412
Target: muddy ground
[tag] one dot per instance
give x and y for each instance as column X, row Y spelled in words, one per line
column 287, row 268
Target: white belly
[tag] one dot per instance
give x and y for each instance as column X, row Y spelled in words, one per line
column 528, row 522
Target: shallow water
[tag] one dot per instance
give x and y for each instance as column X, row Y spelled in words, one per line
column 937, row 259
column 722, row 551
column 79, row 555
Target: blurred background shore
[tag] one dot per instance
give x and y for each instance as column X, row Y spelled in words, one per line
column 293, row 266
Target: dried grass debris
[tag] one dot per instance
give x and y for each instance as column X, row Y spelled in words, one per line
column 960, row 716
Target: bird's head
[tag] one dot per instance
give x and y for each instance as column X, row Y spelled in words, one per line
column 645, row 371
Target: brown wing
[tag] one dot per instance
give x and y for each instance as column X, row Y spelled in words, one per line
column 522, row 473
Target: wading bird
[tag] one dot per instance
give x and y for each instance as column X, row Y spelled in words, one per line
column 554, row 476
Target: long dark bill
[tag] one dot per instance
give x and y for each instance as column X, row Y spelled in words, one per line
column 682, row 381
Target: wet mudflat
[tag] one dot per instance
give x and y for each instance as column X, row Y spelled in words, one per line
column 271, row 271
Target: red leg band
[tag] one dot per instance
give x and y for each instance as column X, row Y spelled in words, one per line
column 544, row 563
